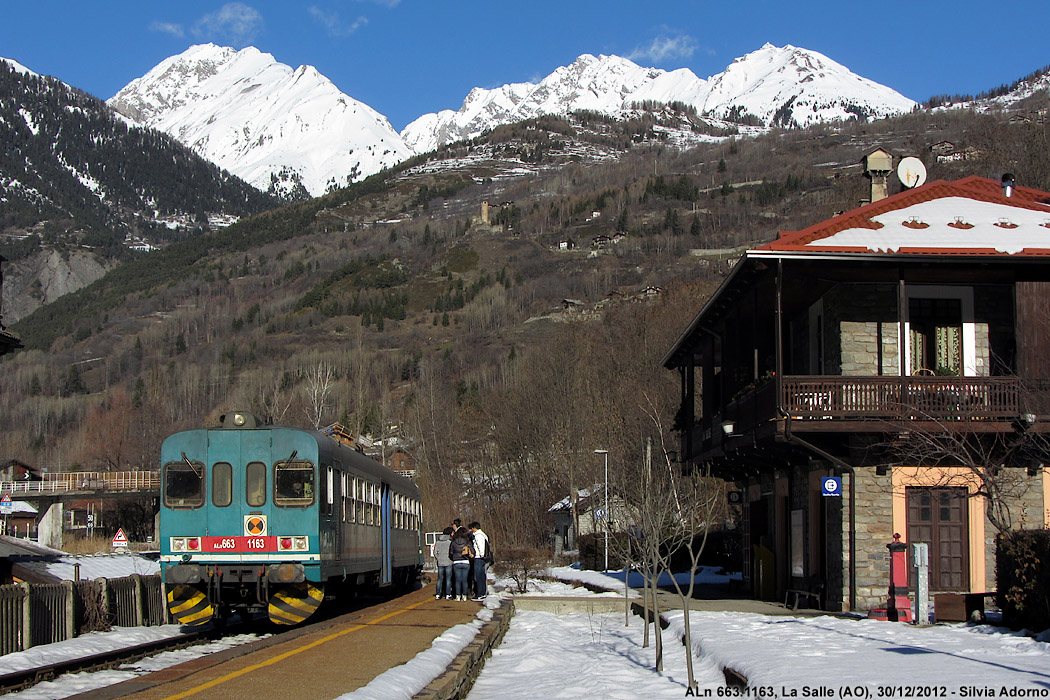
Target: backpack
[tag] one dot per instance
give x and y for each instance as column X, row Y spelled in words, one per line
column 465, row 551
column 488, row 554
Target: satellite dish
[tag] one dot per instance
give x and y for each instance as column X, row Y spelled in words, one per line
column 911, row 172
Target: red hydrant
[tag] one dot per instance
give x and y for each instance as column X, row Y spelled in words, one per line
column 898, row 604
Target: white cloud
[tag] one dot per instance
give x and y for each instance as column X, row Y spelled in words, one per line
column 175, row 30
column 333, row 24
column 234, row 23
column 665, row 48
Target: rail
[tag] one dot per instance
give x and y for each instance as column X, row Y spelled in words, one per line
column 67, row 482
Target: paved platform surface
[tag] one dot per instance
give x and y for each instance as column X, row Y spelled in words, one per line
column 314, row 665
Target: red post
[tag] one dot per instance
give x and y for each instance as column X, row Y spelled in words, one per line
column 898, row 604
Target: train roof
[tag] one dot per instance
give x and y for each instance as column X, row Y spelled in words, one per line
column 330, row 448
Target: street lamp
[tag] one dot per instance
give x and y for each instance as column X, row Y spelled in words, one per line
column 606, row 453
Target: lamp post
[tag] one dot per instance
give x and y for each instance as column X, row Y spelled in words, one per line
column 606, row 453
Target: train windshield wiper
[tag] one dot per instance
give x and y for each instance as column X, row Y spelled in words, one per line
column 199, row 475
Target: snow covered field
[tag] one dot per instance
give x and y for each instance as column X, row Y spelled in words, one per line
column 584, row 656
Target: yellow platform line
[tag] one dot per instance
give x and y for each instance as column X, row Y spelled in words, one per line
column 281, row 657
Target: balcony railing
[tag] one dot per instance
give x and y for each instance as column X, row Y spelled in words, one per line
column 899, row 398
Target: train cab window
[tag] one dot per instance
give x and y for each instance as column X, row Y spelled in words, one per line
column 184, row 484
column 293, row 483
column 221, row 484
column 255, row 484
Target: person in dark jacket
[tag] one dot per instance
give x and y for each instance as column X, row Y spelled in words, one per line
column 461, row 551
column 444, row 564
column 478, row 564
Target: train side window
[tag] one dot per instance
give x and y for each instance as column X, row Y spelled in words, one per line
column 221, row 484
column 329, row 490
column 255, row 484
column 342, row 492
column 293, row 483
column 184, row 484
column 361, row 501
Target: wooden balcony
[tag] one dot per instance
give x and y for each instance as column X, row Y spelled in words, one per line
column 912, row 398
column 836, row 403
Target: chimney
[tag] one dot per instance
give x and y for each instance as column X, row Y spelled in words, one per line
column 1008, row 184
column 878, row 165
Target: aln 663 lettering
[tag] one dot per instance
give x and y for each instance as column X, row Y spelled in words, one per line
column 239, row 544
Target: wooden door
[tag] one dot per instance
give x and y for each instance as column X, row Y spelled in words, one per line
column 938, row 517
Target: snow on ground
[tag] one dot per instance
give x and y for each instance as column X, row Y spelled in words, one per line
column 97, row 643
column 583, row 656
column 789, row 653
column 594, row 655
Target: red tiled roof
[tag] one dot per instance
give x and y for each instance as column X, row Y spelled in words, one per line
column 977, row 188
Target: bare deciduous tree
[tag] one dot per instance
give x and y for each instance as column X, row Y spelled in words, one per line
column 317, row 389
column 991, row 465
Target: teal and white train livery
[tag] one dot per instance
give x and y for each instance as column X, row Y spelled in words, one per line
column 257, row 517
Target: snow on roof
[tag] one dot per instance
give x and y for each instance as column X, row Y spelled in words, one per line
column 969, row 216
column 21, row 507
column 17, row 548
column 96, row 566
column 566, row 503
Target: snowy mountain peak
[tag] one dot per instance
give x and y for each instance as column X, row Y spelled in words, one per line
column 789, row 86
column 607, row 84
column 283, row 130
column 773, row 86
column 18, row 67
column 293, row 132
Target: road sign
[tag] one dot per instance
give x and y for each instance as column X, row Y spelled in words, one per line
column 831, row 486
column 599, row 513
column 120, row 539
column 5, row 504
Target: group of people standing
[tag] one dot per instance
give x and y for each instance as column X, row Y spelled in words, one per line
column 463, row 555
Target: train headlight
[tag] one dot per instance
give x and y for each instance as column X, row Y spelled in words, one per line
column 286, row 573
column 298, row 543
column 185, row 544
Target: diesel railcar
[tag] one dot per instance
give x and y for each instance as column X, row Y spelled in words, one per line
column 258, row 517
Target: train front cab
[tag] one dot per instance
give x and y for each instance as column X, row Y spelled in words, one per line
column 239, row 523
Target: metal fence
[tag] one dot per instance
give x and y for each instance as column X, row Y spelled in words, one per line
column 64, row 482
column 44, row 613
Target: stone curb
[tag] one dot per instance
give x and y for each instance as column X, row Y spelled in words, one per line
column 460, row 675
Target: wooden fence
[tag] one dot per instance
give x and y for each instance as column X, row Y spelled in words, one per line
column 44, row 613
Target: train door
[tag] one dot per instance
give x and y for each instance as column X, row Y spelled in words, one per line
column 385, row 573
column 240, row 467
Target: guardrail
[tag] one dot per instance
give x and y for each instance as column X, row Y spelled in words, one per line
column 32, row 614
column 83, row 481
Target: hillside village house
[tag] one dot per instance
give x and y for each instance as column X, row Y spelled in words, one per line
column 859, row 348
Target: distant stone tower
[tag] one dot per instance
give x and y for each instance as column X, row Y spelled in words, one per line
column 878, row 165
column 485, row 212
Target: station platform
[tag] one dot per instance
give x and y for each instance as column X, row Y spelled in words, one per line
column 319, row 662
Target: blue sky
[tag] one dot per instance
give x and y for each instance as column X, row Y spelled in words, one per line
column 408, row 57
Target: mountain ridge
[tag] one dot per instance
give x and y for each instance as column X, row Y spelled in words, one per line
column 292, row 133
column 777, row 86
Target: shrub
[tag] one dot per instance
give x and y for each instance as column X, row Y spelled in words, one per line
column 521, row 563
column 1022, row 570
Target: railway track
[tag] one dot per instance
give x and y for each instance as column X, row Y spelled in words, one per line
column 20, row 680
column 328, row 616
